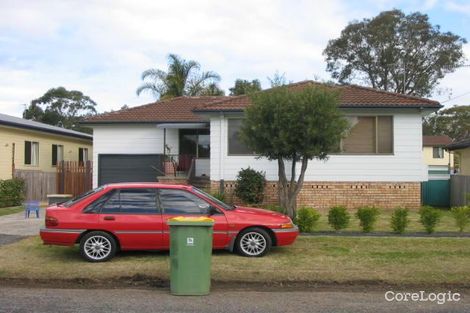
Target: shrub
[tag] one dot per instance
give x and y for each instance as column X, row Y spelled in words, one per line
column 429, row 217
column 306, row 219
column 250, row 186
column 400, row 220
column 11, row 192
column 367, row 217
column 338, row 217
column 461, row 216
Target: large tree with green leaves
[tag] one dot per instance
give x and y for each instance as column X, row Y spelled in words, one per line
column 293, row 127
column 183, row 78
column 244, row 87
column 453, row 122
column 395, row 52
column 61, row 107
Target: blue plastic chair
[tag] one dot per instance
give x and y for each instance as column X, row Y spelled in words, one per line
column 31, row 206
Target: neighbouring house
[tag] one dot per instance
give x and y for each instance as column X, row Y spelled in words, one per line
column 460, row 183
column 462, row 150
column 436, row 190
column 380, row 163
column 439, row 160
column 33, row 150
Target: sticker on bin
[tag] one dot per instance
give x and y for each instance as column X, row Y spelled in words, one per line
column 190, row 241
column 191, row 219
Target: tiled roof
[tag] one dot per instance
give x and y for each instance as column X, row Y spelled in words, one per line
column 351, row 96
column 462, row 144
column 185, row 109
column 178, row 109
column 436, row 141
column 13, row 121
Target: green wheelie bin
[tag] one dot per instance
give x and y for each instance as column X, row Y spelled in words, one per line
column 190, row 255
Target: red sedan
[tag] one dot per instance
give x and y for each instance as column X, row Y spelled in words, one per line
column 133, row 216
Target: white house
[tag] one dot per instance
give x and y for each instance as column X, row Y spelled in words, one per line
column 381, row 161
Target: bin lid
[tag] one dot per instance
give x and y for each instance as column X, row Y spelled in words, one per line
column 191, row 221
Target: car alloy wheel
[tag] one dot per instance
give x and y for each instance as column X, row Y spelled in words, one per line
column 254, row 242
column 97, row 246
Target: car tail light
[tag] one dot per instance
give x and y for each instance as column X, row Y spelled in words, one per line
column 51, row 221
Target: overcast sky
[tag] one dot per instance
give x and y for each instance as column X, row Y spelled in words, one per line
column 102, row 47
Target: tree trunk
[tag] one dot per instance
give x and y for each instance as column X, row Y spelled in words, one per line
column 288, row 194
column 282, row 184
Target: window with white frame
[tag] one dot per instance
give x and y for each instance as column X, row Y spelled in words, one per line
column 57, row 154
column 438, row 152
column 83, row 155
column 235, row 145
column 368, row 135
column 31, row 153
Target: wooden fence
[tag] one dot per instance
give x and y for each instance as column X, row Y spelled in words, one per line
column 38, row 184
column 74, row 177
column 459, row 190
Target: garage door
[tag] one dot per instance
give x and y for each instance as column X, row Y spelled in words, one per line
column 117, row 168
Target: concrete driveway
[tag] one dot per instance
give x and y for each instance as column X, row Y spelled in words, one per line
column 17, row 225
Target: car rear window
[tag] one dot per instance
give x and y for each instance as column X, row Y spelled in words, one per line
column 131, row 201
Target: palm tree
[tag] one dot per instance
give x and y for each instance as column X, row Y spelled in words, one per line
column 183, row 78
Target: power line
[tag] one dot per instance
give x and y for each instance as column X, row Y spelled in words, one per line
column 456, row 97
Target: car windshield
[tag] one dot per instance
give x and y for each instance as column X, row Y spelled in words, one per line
column 213, row 199
column 80, row 197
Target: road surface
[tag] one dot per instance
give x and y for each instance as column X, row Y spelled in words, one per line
column 40, row 300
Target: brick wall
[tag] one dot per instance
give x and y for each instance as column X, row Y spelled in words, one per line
column 172, row 180
column 324, row 195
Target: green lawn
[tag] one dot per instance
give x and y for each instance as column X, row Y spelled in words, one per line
column 395, row 260
column 446, row 224
column 10, row 210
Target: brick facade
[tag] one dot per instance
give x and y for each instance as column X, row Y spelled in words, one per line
column 172, row 180
column 323, row 195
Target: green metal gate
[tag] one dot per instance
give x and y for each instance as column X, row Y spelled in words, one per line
column 436, row 193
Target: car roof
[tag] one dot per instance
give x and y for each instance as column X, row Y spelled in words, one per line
column 146, row 185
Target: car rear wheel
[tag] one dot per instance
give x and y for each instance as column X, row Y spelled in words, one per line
column 98, row 246
column 253, row 242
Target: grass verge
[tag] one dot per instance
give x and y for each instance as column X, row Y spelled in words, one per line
column 395, row 261
column 11, row 210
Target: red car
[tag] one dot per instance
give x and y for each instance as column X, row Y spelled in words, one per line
column 133, row 216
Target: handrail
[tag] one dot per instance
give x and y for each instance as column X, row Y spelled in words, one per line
column 192, row 169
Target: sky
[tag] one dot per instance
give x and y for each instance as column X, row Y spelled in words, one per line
column 102, row 47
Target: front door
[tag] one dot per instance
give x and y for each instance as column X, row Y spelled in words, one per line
column 133, row 216
column 176, row 202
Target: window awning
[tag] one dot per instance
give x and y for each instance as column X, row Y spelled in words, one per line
column 183, row 125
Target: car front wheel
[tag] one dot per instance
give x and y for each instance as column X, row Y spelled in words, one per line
column 98, row 246
column 253, row 242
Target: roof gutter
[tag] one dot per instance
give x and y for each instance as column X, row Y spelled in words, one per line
column 91, row 123
column 47, row 130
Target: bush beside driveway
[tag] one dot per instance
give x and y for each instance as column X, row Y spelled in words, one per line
column 311, row 260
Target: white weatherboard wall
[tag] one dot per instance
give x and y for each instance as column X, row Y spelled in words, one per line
column 130, row 139
column 405, row 165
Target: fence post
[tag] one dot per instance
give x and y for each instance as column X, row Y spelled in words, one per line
column 62, row 178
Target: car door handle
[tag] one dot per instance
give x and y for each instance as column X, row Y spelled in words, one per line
column 109, row 218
